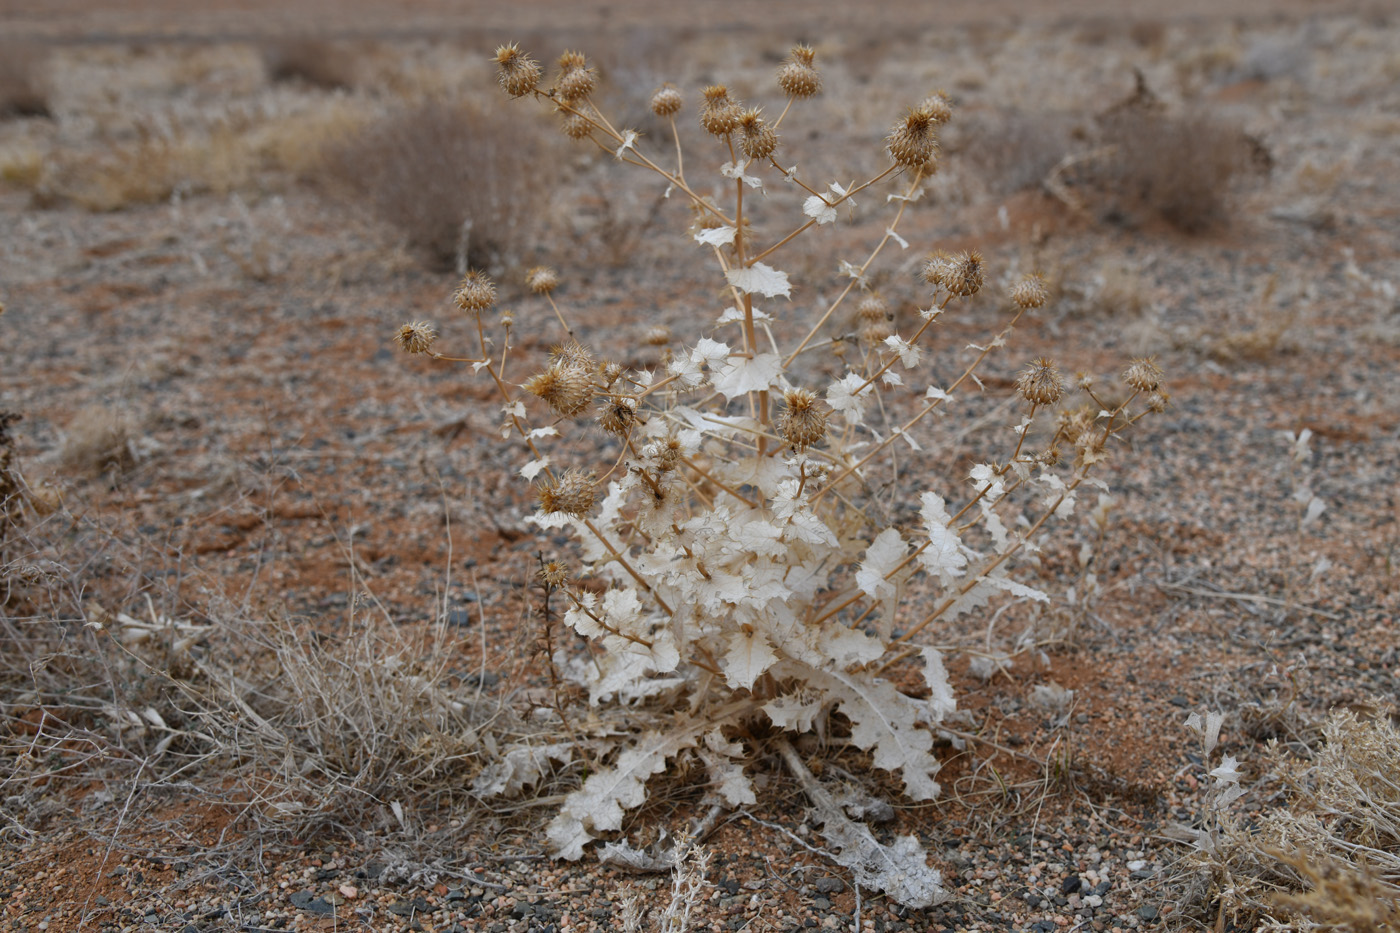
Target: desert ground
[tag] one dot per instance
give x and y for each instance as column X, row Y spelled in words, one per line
column 269, row 589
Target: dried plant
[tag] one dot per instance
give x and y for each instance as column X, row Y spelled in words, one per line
column 22, row 91
column 756, row 555
column 316, row 62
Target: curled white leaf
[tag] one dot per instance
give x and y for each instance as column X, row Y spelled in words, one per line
column 760, row 279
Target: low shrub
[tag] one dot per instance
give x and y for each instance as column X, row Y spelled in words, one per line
column 22, row 89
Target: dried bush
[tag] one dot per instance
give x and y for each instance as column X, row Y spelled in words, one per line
column 22, row 91
column 316, row 62
column 452, row 177
column 753, row 559
column 1017, row 150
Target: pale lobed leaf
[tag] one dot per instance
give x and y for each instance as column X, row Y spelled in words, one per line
column 909, row 355
column 742, row 376
column 533, row 468
column 881, row 558
column 629, row 141
column 749, row 655
column 716, row 236
column 816, row 208
column 848, row 396
column 792, row 714
column 944, row 556
column 941, row 701
column 730, row 782
column 903, row 243
column 520, row 767
column 760, row 279
column 736, row 171
column 733, row 315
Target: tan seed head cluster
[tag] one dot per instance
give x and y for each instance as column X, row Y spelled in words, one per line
column 938, row 107
column 554, row 574
column 573, row 493
column 577, row 126
column 803, row 421
column 517, row 73
column 1029, row 292
column 576, row 78
column 1040, row 384
column 962, row 275
column 666, row 101
column 566, row 389
column 873, row 318
column 475, row 292
column 1143, row 374
column 658, row 335
column 913, row 142
column 759, row 139
column 617, row 414
column 798, row 76
column 542, row 279
column 719, row 115
column 416, row 337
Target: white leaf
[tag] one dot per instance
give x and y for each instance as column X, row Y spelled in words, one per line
column 532, row 469
column 880, row 559
column 941, row 701
column 629, row 139
column 733, row 170
column 521, row 767
column 760, row 279
column 909, row 355
column 549, row 431
column 716, row 236
column 787, row 712
column 891, row 378
column 847, row 395
column 742, row 376
column 903, row 243
column 748, row 657
column 515, row 409
column 732, row 785
column 1228, row 771
column 816, row 208
column 733, row 315
column 1315, row 508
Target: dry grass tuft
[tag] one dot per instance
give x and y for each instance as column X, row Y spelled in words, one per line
column 314, row 62
column 100, row 440
column 22, row 91
column 1016, row 150
column 451, row 177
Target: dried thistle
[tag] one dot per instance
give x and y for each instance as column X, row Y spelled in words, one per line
column 912, row 142
column 658, row 335
column 719, row 115
column 1040, row 384
column 617, row 414
column 573, row 493
column 554, row 574
column 759, row 139
column 576, row 78
column 577, row 126
column 475, row 292
column 874, row 319
column 938, row 107
column 415, row 337
column 803, row 421
column 542, row 280
column 1030, row 292
column 566, row 389
column 572, row 353
column 666, row 101
column 1143, row 374
column 517, row 73
column 964, row 274
column 797, row 76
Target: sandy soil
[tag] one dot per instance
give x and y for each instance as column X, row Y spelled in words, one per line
column 276, row 459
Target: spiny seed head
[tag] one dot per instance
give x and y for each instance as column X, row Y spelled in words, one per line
column 657, row 336
column 1029, row 292
column 1040, row 384
column 798, row 76
column 938, row 107
column 554, row 574
column 577, row 126
column 416, row 337
column 936, row 268
column 542, row 280
column 572, row 353
column 475, row 292
column 572, row 493
column 803, row 421
column 666, row 101
column 576, row 84
column 517, row 73
column 719, row 115
column 567, row 390
column 965, row 274
column 668, row 454
column 759, row 139
column 874, row 319
column 617, row 414
column 912, row 142
column 610, row 373
column 1157, row 402
column 1143, row 374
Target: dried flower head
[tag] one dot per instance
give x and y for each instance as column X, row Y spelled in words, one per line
column 936, row 268
column 542, row 280
column 719, row 115
column 572, row 353
column 1040, row 384
column 666, row 101
column 554, row 574
column 617, row 414
column 1143, row 374
column 798, row 76
column 577, row 126
column 567, row 390
column 912, row 142
column 475, row 292
column 610, row 373
column 576, row 78
column 415, row 337
column 803, row 421
column 658, row 335
column 517, row 73
column 874, row 318
column 1029, row 292
column 964, row 274
column 573, row 493
column 938, row 107
column 759, row 139
column 667, row 454
column 1157, row 402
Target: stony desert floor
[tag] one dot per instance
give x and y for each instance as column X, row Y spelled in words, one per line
column 269, row 603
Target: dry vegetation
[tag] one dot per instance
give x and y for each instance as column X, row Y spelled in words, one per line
column 268, row 592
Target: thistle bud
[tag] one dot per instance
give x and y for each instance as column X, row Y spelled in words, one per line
column 874, row 319
column 572, row 353
column 576, row 126
column 797, row 76
column 1029, row 292
column 666, row 101
column 517, row 73
column 938, row 107
column 658, row 335
column 567, row 390
column 1040, row 384
column 617, row 414
column 573, row 493
column 719, row 115
column 475, row 292
column 554, row 574
column 576, row 78
column 415, row 337
column 759, row 139
column 803, row 421
column 912, row 142
column 542, row 280
column 964, row 275
column 1143, row 374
